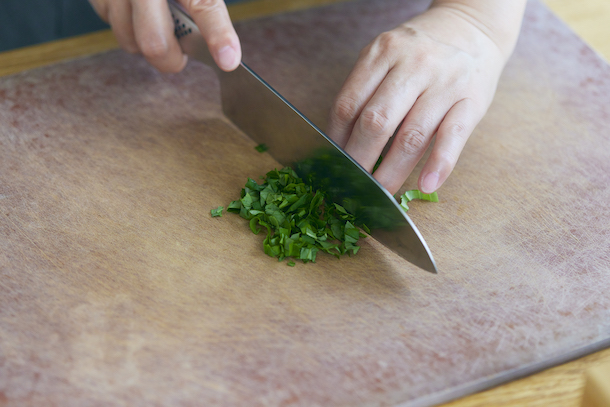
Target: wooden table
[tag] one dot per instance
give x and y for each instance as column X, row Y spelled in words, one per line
column 560, row 386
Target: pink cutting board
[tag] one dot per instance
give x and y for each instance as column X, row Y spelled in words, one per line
column 118, row 288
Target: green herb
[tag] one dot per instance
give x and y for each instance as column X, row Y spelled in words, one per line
column 291, row 263
column 216, row 213
column 377, row 164
column 416, row 194
column 299, row 220
column 261, row 148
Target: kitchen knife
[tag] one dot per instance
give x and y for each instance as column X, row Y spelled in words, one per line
column 268, row 118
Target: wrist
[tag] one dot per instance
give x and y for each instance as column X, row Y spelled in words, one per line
column 473, row 26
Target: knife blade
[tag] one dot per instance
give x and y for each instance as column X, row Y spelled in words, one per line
column 293, row 140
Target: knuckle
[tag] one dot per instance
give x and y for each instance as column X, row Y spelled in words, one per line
column 154, row 47
column 197, row 6
column 345, row 108
column 422, row 58
column 382, row 47
column 388, row 39
column 460, row 79
column 374, row 121
column 457, row 129
column 412, row 141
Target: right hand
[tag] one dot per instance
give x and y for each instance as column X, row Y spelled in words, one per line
column 146, row 27
column 432, row 77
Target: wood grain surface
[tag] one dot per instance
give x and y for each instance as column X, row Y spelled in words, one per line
column 101, row 295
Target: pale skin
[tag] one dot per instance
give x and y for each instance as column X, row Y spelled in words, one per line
column 432, row 77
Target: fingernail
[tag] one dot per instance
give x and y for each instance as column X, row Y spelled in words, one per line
column 430, row 183
column 226, row 57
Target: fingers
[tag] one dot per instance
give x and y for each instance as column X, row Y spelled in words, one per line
column 375, row 98
column 426, row 79
column 423, row 114
column 154, row 35
column 412, row 139
column 120, row 19
column 118, row 15
column 359, row 87
column 380, row 117
column 146, row 26
column 451, row 137
column 215, row 25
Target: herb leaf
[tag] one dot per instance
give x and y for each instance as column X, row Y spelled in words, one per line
column 408, row 196
column 300, row 221
column 261, row 148
column 216, row 213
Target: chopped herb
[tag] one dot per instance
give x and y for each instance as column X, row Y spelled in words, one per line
column 291, row 263
column 261, row 148
column 216, row 213
column 300, row 221
column 408, row 196
column 377, row 164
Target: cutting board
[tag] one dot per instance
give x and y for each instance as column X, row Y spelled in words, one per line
column 117, row 287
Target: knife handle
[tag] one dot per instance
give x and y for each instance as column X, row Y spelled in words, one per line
column 189, row 36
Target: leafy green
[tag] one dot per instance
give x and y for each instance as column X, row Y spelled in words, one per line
column 377, row 164
column 216, row 213
column 261, row 148
column 408, row 196
column 299, row 220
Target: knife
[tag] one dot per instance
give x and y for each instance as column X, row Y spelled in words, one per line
column 293, row 140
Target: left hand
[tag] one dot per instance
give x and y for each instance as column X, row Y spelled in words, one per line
column 146, row 27
column 435, row 74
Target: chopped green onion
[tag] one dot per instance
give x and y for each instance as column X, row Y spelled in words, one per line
column 408, row 196
column 300, row 221
column 216, row 213
column 377, row 164
column 261, row 148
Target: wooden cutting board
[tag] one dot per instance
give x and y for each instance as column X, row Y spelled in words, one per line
column 118, row 288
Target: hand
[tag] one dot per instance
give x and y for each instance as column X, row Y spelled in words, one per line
column 146, row 27
column 435, row 74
